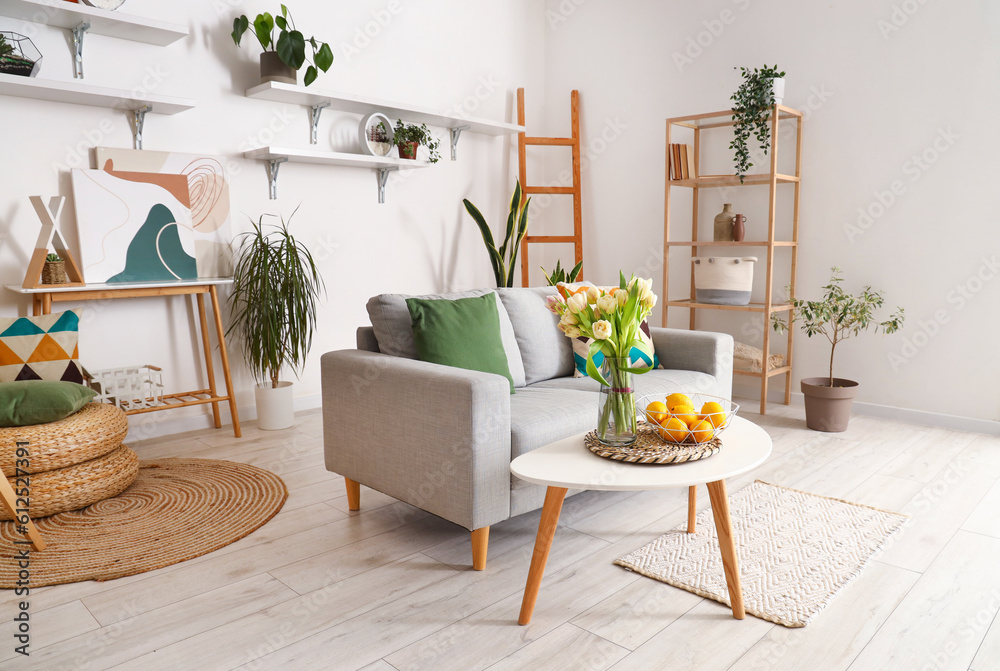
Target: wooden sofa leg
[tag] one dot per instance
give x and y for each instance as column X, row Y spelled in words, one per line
column 353, row 494
column 480, row 542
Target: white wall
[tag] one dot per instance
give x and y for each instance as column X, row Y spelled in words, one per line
column 447, row 55
column 882, row 88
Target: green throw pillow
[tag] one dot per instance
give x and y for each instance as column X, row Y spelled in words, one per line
column 464, row 333
column 40, row 401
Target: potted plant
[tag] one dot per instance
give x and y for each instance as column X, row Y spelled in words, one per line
column 407, row 137
column 517, row 228
column 753, row 101
column 273, row 308
column 560, row 275
column 838, row 316
column 18, row 55
column 54, row 270
column 284, row 56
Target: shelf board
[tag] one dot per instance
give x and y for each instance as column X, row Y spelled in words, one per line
column 729, row 243
column 725, row 118
column 771, row 373
column 102, row 22
column 347, row 102
column 332, row 158
column 714, row 181
column 752, row 307
column 87, row 94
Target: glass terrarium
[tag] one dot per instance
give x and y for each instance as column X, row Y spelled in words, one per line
column 18, row 55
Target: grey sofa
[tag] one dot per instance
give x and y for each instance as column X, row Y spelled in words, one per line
column 442, row 438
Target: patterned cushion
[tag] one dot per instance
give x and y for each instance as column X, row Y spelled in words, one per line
column 40, row 348
column 581, row 346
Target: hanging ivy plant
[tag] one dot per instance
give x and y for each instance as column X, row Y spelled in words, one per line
column 752, row 105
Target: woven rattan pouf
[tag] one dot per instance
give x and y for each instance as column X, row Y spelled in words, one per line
column 72, row 463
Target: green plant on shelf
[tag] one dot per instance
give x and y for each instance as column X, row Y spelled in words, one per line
column 290, row 44
column 752, row 105
column 53, row 258
column 406, row 134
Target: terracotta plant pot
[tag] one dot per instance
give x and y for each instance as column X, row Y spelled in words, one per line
column 408, row 149
column 273, row 69
column 828, row 408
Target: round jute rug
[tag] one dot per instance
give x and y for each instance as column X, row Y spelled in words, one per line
column 177, row 509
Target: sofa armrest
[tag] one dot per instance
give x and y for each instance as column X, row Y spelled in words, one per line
column 700, row 351
column 434, row 436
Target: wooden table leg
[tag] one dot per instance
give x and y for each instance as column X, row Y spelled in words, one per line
column 543, row 543
column 46, row 304
column 10, row 503
column 233, row 412
column 209, row 367
column 36, row 305
column 692, row 508
column 724, row 528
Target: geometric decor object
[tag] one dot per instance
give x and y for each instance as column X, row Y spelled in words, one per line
column 129, row 388
column 105, row 4
column 133, row 231
column 796, row 551
column 40, row 348
column 207, row 196
column 176, row 509
column 49, row 237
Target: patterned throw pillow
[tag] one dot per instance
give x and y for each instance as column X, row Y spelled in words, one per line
column 581, row 345
column 40, row 348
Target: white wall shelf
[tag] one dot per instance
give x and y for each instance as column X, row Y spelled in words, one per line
column 275, row 156
column 347, row 102
column 68, row 15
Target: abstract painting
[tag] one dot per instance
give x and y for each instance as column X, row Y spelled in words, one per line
column 208, row 197
column 133, row 230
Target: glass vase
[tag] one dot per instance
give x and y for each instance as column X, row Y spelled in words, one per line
column 616, row 404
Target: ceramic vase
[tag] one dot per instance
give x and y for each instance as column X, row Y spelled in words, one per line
column 724, row 224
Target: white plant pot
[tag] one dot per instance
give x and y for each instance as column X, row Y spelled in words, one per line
column 275, row 406
column 778, row 87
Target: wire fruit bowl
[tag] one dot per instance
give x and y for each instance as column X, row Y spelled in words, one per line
column 690, row 425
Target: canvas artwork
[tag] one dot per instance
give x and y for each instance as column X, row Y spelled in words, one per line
column 208, row 198
column 132, row 228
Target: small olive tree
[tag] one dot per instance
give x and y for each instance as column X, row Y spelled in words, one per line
column 839, row 315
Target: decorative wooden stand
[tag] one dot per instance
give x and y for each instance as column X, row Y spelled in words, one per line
column 50, row 238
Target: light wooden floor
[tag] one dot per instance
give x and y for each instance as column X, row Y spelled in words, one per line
column 391, row 587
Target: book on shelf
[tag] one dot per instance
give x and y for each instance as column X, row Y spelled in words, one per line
column 681, row 161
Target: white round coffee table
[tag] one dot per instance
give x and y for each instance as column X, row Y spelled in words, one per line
column 567, row 464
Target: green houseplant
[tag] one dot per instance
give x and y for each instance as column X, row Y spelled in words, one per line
column 838, row 316
column 18, row 55
column 752, row 104
column 407, row 137
column 284, row 56
column 503, row 259
column 273, row 309
column 560, row 275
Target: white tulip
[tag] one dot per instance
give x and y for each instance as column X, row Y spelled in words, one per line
column 607, row 304
column 577, row 302
column 602, row 330
column 573, row 331
column 593, row 293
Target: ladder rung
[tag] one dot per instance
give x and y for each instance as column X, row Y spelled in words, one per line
column 566, row 141
column 568, row 190
column 550, row 238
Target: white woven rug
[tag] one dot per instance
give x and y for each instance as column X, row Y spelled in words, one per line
column 796, row 551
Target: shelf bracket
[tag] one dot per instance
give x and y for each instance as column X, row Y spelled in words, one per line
column 382, row 176
column 138, row 121
column 456, row 132
column 272, row 176
column 316, row 111
column 78, row 33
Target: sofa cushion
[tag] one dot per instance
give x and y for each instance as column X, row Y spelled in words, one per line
column 545, row 352
column 657, row 381
column 539, row 416
column 391, row 322
column 40, row 401
column 464, row 333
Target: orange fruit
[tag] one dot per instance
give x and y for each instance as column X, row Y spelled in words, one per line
column 675, row 430
column 678, row 399
column 714, row 413
column 702, row 431
column 685, row 413
column 657, row 412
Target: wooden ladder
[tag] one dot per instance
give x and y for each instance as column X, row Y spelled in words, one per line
column 523, row 140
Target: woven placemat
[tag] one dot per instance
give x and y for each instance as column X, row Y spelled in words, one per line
column 176, row 509
column 650, row 448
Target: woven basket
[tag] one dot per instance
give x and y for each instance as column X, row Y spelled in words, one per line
column 98, row 428
column 54, row 272
column 723, row 280
column 78, row 486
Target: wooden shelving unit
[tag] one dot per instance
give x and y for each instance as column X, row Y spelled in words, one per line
column 318, row 100
column 697, row 123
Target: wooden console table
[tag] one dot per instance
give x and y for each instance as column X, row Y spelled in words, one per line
column 44, row 296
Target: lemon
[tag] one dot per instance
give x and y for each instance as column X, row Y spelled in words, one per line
column 714, row 413
column 679, row 399
column 657, row 412
column 674, row 430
